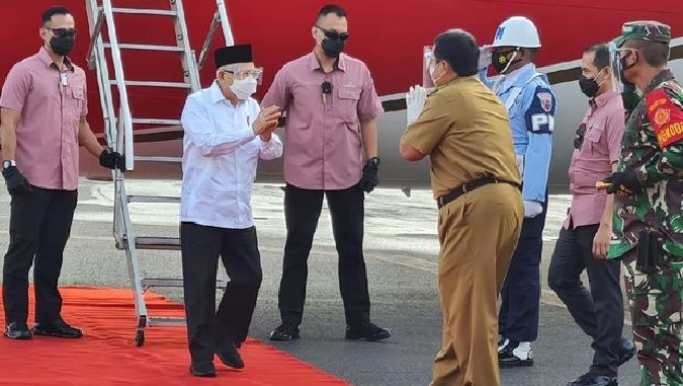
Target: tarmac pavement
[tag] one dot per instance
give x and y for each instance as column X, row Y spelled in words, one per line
column 401, row 250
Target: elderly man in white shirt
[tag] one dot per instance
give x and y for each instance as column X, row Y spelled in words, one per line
column 225, row 135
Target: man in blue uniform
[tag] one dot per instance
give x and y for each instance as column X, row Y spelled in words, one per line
column 531, row 107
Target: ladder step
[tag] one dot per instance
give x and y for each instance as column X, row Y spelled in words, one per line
column 141, row 11
column 154, row 199
column 152, row 84
column 158, row 243
column 146, row 47
column 153, row 121
column 173, row 283
column 158, row 159
column 167, row 321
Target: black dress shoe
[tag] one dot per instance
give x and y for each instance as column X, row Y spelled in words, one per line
column 628, row 350
column 367, row 330
column 58, row 329
column 203, row 369
column 592, row 379
column 19, row 331
column 229, row 355
column 285, row 332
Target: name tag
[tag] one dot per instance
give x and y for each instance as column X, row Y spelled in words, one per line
column 520, row 165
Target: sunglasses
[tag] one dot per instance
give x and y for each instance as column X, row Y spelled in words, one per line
column 580, row 133
column 333, row 35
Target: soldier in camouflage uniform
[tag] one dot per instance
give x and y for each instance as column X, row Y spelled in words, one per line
column 649, row 185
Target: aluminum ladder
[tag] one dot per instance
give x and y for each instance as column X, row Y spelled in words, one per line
column 118, row 131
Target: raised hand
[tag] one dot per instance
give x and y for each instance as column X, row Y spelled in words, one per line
column 415, row 101
column 266, row 120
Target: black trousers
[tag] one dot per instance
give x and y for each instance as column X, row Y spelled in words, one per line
column 39, row 226
column 302, row 211
column 600, row 312
column 208, row 329
column 521, row 293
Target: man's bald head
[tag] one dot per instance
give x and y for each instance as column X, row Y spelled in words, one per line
column 459, row 49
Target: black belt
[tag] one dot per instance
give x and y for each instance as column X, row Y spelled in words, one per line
column 468, row 187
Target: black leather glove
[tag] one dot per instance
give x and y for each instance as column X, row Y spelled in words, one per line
column 623, row 183
column 112, row 160
column 16, row 182
column 370, row 180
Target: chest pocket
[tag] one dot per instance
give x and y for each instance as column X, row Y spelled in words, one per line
column 75, row 100
column 592, row 142
column 348, row 98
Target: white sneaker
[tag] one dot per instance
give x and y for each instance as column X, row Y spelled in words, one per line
column 516, row 354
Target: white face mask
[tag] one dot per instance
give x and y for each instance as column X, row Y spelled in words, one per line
column 244, row 88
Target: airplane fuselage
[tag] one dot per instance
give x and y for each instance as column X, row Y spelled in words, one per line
column 389, row 36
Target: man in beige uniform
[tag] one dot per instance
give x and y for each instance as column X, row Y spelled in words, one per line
column 464, row 129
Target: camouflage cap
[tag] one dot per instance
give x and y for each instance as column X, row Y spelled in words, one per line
column 646, row 30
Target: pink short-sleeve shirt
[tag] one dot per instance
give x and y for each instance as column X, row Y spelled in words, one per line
column 52, row 103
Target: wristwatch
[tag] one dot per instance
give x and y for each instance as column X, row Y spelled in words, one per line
column 8, row 163
column 374, row 161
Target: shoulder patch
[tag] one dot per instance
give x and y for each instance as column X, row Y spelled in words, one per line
column 546, row 100
column 666, row 117
column 540, row 114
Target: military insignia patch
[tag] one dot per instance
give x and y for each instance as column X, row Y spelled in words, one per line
column 546, row 100
column 661, row 117
column 666, row 119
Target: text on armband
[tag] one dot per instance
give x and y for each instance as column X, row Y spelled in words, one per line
column 670, row 134
column 540, row 120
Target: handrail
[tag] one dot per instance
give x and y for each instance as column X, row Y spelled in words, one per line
column 225, row 23
column 208, row 40
column 121, row 85
column 93, row 39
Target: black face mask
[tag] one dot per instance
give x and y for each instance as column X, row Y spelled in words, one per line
column 499, row 61
column 332, row 48
column 589, row 86
column 624, row 67
column 63, row 45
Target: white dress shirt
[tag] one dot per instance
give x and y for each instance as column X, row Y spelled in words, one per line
column 220, row 156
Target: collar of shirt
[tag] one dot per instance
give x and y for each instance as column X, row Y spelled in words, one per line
column 663, row 76
column 314, row 64
column 520, row 75
column 216, row 93
column 45, row 57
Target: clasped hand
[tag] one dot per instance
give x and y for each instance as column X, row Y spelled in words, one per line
column 266, row 122
column 415, row 102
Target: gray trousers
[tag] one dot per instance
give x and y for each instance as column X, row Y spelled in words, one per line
column 598, row 312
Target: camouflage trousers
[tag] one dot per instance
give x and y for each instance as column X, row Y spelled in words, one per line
column 656, row 305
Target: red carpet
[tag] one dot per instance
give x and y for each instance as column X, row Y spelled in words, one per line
column 107, row 354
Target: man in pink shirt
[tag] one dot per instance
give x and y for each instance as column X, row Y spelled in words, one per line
column 584, row 239
column 43, row 108
column 332, row 107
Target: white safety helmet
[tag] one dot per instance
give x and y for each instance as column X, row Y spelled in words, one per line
column 517, row 31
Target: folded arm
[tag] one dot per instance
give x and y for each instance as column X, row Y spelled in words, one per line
column 422, row 136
